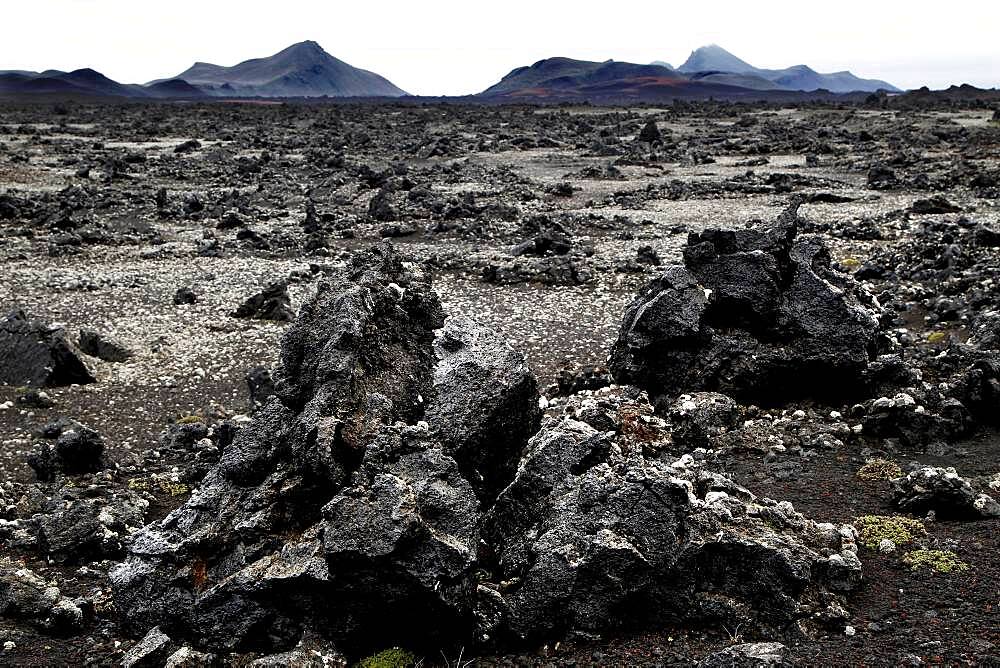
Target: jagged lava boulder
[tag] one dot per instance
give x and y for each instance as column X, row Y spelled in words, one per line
column 486, row 403
column 388, row 494
column 757, row 314
column 271, row 303
column 338, row 507
column 592, row 536
column 32, row 353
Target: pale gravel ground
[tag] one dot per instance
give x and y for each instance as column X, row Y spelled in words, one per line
column 190, row 357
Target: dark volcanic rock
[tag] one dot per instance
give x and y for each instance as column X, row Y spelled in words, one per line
column 32, row 353
column 944, row 492
column 573, row 379
column 368, row 501
column 934, row 205
column 593, row 536
column 486, row 403
column 100, row 346
column 76, row 449
column 757, row 314
column 188, row 146
column 359, row 357
column 260, row 386
column 150, row 652
column 650, row 133
column 381, row 207
column 700, row 417
column 185, row 295
column 26, row 596
column 271, row 303
column 749, row 655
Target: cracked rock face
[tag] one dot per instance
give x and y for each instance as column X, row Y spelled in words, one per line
column 943, row 491
column 396, row 489
column 35, row 354
column 753, row 313
column 486, row 403
column 592, row 535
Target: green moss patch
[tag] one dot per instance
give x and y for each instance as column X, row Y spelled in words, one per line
column 940, row 561
column 879, row 469
column 873, row 529
column 390, row 658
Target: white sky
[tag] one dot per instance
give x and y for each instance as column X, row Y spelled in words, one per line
column 455, row 47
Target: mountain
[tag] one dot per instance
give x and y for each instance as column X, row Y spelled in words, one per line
column 174, row 88
column 78, row 82
column 713, row 59
column 554, row 76
column 301, row 70
column 663, row 63
column 613, row 81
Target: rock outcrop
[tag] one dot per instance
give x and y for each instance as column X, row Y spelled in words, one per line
column 758, row 314
column 36, row 354
column 388, row 493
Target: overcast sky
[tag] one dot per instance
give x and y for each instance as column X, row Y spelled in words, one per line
column 454, row 47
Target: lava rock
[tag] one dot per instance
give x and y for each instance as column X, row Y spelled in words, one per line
column 755, row 314
column 381, row 207
column 187, row 657
column 646, row 255
column 24, row 595
column 650, row 133
column 369, row 499
column 260, row 387
column 36, row 399
column 589, row 528
column 77, row 526
column 485, row 405
column 102, row 347
column 77, row 449
column 359, row 357
column 881, row 177
column 748, row 655
column 188, row 146
column 699, row 417
column 986, row 331
column 943, row 491
column 150, row 652
column 185, row 295
column 271, row 303
column 934, row 205
column 35, row 354
column 573, row 378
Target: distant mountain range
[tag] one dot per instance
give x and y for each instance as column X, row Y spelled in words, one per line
column 713, row 63
column 88, row 82
column 301, row 70
column 305, row 70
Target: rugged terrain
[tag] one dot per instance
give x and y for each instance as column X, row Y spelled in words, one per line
column 720, row 304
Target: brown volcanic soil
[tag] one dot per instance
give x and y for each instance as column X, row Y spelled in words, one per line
column 192, row 359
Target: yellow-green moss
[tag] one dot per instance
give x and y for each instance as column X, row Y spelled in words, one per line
column 873, row 529
column 851, row 262
column 390, row 658
column 173, row 488
column 162, row 484
column 190, row 419
column 940, row 561
column 936, row 337
column 138, row 484
column 879, row 469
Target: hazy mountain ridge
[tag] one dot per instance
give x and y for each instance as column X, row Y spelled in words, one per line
column 306, row 70
column 301, row 70
column 714, row 59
